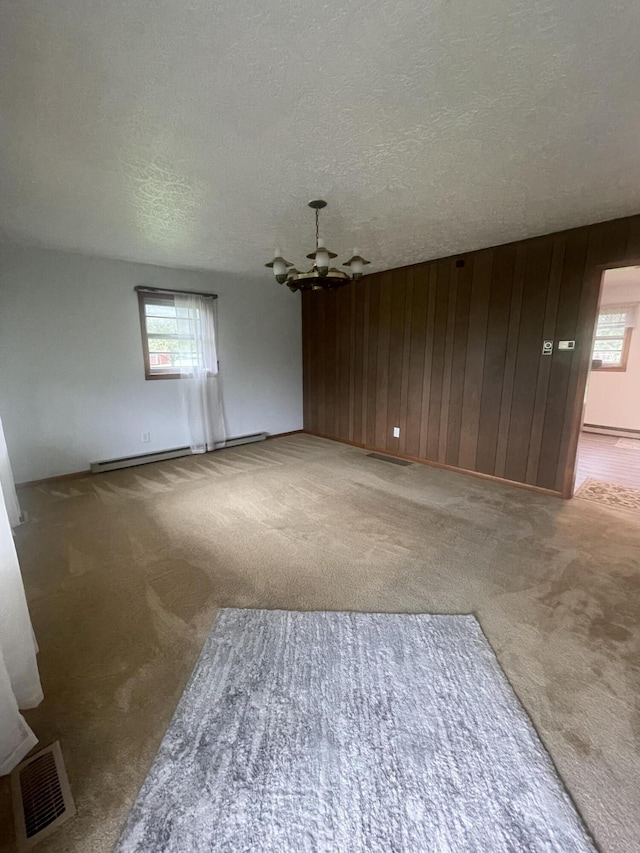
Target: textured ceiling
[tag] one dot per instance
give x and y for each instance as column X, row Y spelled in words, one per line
column 193, row 133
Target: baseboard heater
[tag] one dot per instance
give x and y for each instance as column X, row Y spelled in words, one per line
column 163, row 455
column 618, row 432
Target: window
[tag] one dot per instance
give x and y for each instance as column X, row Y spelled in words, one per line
column 613, row 336
column 168, row 337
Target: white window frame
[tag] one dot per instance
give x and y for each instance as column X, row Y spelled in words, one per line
column 630, row 310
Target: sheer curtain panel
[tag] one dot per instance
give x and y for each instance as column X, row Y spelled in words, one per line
column 19, row 679
column 199, row 378
column 7, row 486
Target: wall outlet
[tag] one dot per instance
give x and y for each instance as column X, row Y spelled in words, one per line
column 145, row 437
column 396, row 432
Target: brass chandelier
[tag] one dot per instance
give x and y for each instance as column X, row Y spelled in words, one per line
column 321, row 276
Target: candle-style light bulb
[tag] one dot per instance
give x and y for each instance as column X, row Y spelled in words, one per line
column 322, row 258
column 279, row 266
column 356, row 264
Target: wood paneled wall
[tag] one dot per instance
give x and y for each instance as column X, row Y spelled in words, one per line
column 451, row 352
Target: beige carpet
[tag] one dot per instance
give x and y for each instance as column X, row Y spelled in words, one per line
column 125, row 571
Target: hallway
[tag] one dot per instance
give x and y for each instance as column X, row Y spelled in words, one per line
column 600, row 457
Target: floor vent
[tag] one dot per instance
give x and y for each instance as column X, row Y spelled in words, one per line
column 42, row 798
column 393, row 459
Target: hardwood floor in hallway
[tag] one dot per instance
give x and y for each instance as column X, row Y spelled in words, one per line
column 600, row 457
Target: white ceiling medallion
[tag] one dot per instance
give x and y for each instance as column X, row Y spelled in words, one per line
column 321, row 276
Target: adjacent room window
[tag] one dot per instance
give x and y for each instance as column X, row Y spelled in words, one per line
column 613, row 336
column 168, row 339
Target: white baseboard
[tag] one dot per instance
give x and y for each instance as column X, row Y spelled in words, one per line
column 617, row 432
column 162, row 455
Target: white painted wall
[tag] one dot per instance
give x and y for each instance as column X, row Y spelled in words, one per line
column 613, row 399
column 72, row 386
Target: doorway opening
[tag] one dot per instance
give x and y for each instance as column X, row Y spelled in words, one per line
column 608, row 460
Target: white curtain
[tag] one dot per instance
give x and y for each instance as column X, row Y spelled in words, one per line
column 200, row 381
column 7, row 486
column 19, row 680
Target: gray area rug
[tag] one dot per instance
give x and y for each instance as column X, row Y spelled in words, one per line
column 314, row 732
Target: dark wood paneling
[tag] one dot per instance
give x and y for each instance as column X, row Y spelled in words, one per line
column 343, row 343
column 331, row 361
column 432, row 287
column 360, row 368
column 494, row 359
column 544, row 366
column 569, row 301
column 417, row 338
column 456, row 357
column 445, row 400
column 632, row 249
column 396, row 350
column 352, row 361
column 438, row 335
column 534, row 293
column 508, row 377
column 473, row 370
column 382, row 373
column 406, row 350
column 452, row 353
column 372, row 361
column 307, row 408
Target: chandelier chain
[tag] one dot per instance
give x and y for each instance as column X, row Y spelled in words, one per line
column 317, row 227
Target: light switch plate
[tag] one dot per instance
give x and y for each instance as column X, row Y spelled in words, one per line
column 566, row 344
column 396, row 432
column 547, row 347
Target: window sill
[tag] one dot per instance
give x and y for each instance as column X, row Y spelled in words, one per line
column 621, row 369
column 162, row 376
